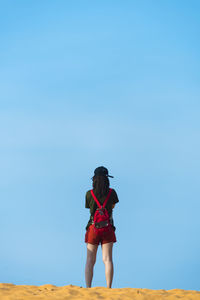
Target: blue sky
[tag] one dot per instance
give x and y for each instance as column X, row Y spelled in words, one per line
column 89, row 83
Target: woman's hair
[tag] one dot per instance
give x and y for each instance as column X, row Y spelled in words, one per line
column 101, row 185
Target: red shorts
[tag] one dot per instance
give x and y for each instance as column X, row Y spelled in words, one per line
column 93, row 237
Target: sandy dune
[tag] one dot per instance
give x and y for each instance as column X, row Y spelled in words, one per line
column 10, row 291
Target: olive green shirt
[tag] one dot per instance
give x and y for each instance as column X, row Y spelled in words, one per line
column 91, row 204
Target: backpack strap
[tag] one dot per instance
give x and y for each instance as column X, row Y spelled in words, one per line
column 105, row 202
column 96, row 200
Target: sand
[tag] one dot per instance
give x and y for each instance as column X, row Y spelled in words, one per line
column 9, row 291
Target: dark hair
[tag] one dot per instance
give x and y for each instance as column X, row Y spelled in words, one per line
column 101, row 185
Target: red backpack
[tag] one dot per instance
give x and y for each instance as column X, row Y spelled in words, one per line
column 101, row 218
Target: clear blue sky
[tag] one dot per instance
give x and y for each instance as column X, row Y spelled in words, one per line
column 89, row 83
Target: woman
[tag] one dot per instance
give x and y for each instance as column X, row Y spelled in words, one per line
column 94, row 236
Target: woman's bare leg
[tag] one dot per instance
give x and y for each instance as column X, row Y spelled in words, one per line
column 91, row 259
column 107, row 259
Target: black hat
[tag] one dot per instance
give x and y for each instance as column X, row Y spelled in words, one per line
column 102, row 171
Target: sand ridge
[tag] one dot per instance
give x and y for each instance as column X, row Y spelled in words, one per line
column 9, row 291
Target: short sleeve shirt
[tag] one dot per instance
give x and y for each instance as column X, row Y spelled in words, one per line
column 91, row 204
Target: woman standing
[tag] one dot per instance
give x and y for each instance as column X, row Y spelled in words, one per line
column 101, row 201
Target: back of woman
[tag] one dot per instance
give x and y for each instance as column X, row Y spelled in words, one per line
column 101, row 201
